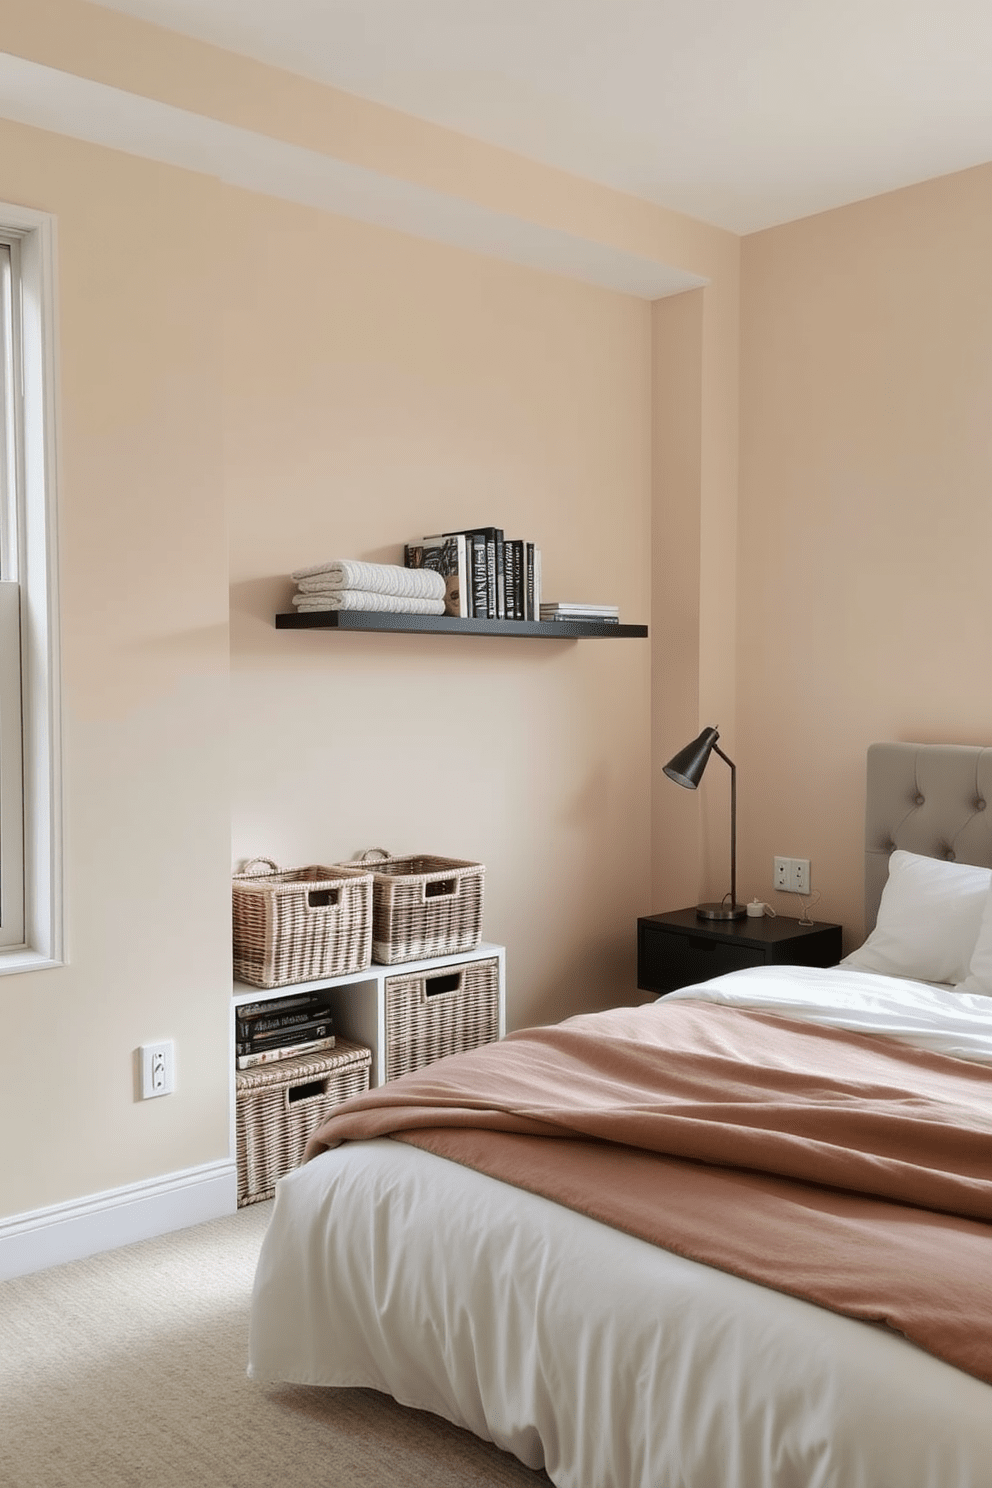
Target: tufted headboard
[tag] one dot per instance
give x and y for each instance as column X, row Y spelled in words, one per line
column 933, row 799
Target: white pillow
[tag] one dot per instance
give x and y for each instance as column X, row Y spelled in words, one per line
column 928, row 920
column 979, row 978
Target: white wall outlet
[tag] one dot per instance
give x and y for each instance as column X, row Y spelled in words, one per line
column 158, row 1069
column 791, row 875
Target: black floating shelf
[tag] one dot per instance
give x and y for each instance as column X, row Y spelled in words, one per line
column 555, row 630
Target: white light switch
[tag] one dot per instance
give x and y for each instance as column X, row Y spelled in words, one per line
column 158, row 1069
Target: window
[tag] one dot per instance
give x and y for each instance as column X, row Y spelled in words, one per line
column 11, row 718
column 30, row 801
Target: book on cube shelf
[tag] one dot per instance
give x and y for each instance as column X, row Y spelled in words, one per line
column 286, row 1051
column 289, row 1002
column 284, row 1038
column 281, row 1028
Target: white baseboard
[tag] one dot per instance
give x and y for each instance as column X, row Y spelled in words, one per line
column 140, row 1211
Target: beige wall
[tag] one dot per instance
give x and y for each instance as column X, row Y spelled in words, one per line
column 694, row 575
column 676, row 558
column 324, row 388
column 248, row 385
column 866, row 514
column 378, row 388
column 144, row 665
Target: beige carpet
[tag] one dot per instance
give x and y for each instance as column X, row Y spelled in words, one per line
column 127, row 1370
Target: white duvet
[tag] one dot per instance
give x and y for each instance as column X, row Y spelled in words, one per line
column 958, row 1024
column 610, row 1362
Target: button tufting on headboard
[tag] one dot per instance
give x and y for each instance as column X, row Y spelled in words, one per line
column 928, row 799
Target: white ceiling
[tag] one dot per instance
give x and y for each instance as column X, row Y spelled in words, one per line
column 742, row 113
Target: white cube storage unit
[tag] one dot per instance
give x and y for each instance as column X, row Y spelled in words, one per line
column 406, row 1016
column 446, row 1003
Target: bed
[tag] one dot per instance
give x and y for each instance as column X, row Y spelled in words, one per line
column 553, row 1327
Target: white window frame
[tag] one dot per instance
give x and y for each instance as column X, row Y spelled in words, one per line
column 31, row 786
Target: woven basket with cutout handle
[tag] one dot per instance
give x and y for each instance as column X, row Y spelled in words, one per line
column 422, row 906
column 300, row 924
column 279, row 1105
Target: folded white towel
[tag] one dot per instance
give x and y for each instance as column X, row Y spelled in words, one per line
column 361, row 599
column 371, row 578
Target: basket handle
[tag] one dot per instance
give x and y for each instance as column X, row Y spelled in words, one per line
column 308, row 1091
column 366, row 855
column 440, row 888
column 443, row 983
column 249, row 869
column 323, row 898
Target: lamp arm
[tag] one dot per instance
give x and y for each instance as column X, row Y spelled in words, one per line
column 733, row 823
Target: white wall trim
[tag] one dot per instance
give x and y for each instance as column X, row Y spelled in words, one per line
column 120, row 1216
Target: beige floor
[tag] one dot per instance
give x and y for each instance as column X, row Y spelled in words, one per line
column 129, row 1369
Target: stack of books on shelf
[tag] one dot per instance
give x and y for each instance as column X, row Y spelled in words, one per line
column 282, row 1028
column 488, row 576
column 565, row 610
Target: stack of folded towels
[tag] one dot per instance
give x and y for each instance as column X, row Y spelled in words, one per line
column 347, row 584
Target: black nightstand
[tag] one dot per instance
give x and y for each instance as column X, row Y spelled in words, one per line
column 677, row 949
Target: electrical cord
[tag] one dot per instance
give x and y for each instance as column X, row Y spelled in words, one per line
column 813, row 899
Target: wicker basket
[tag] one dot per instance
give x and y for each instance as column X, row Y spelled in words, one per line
column 280, row 1104
column 433, row 1013
column 300, row 924
column 423, row 906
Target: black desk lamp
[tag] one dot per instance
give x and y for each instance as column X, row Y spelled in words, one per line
column 686, row 768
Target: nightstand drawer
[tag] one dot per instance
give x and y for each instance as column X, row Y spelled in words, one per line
column 678, row 949
column 670, row 961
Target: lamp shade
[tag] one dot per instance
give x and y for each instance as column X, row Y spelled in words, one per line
column 686, row 768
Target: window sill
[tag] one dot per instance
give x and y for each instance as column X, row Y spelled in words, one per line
column 21, row 959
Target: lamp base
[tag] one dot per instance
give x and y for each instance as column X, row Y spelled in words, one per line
column 720, row 911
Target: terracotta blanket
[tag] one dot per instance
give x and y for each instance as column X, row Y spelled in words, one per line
column 839, row 1167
